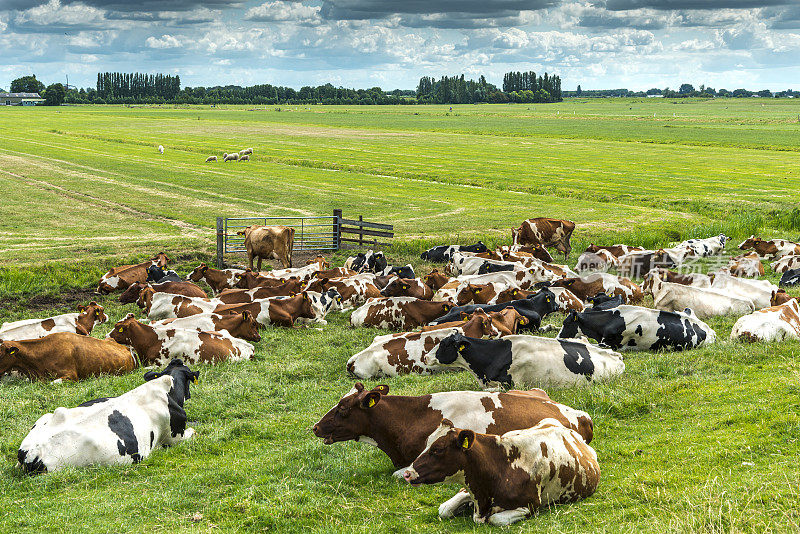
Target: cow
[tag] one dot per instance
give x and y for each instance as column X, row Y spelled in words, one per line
column 592, row 284
column 121, row 277
column 444, row 253
column 758, row 291
column 701, row 248
column 79, row 323
column 400, row 426
column 786, row 263
column 780, row 297
column 790, row 278
column 565, row 299
column 187, row 289
column 168, row 306
column 617, row 250
column 406, row 271
column 267, row 242
column 479, row 293
column 397, row 354
column 521, row 278
column 746, row 265
column 400, row 313
column 507, row 477
column 120, row 430
column 704, row 302
column 624, row 327
column 517, row 251
column 65, row 356
column 158, row 275
column 545, row 232
column 690, row 279
column 367, row 262
column 217, row 279
column 506, row 322
column 638, row 263
column 532, row 308
column 336, row 272
column 353, row 291
column 462, row 264
column 250, row 280
column 238, row 296
column 408, row 287
column 602, row 260
column 435, row 279
column 241, row 325
column 770, row 324
column 158, row 345
column 517, row 360
column 304, row 308
column 778, row 248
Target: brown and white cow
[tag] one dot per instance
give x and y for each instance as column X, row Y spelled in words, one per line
column 505, row 322
column 354, row 291
column 304, row 308
column 611, row 285
column 435, row 279
column 479, row 293
column 689, row 279
column 121, row 277
column 79, row 323
column 167, row 306
column 786, row 263
column 511, row 476
column 155, row 344
column 617, row 250
column 401, row 425
column 746, row 265
column 250, row 279
column 397, row 354
column 408, row 287
column 566, row 299
column 187, row 289
column 241, row 325
column 778, row 248
column 399, row 313
column 65, row 356
column 769, row 324
column 546, row 232
column 601, row 260
column 537, row 251
column 267, row 242
column 238, row 296
column 217, row 279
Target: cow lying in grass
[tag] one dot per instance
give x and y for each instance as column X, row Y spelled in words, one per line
column 508, row 477
column 113, row 431
column 770, row 324
column 241, row 325
column 401, row 426
column 704, row 302
column 79, row 323
column 121, row 277
column 187, row 289
column 637, row 328
column 518, row 360
column 217, row 279
column 400, row 313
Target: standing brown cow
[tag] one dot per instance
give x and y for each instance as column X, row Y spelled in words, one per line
column 268, row 242
column 545, row 232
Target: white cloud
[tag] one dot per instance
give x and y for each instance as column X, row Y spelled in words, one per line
column 54, row 14
column 166, row 41
column 283, row 11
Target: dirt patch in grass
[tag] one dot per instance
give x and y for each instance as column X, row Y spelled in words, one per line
column 68, row 298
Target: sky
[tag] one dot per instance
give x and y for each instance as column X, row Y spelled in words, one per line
column 599, row 44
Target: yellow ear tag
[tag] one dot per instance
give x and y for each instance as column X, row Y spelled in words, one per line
column 466, row 443
column 194, row 380
column 371, row 403
column 460, row 348
column 478, row 290
column 516, row 292
column 119, row 329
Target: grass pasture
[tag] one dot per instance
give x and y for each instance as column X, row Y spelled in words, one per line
column 701, row 441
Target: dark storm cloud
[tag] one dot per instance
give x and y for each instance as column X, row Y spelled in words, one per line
column 671, row 5
column 783, row 18
column 378, row 9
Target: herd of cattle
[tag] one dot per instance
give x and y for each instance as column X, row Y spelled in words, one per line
column 514, row 450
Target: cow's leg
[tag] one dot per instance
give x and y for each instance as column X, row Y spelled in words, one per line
column 507, row 517
column 259, row 263
column 250, row 259
column 460, row 504
column 399, row 473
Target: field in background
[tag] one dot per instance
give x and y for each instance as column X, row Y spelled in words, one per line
column 702, row 441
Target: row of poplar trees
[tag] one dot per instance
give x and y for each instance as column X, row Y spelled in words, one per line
column 517, row 87
column 120, row 85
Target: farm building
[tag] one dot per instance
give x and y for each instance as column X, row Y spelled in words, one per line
column 20, row 99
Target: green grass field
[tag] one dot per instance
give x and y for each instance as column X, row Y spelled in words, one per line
column 705, row 440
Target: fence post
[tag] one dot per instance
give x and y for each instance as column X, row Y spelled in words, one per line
column 361, row 235
column 337, row 228
column 220, row 243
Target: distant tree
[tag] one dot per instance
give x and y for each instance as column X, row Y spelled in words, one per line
column 740, row 93
column 765, row 93
column 27, row 84
column 723, row 92
column 579, row 91
column 686, row 88
column 54, row 95
column 654, row 91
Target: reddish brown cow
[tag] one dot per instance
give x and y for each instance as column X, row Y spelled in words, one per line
column 408, row 287
column 780, row 297
column 400, row 425
column 187, row 289
column 477, row 293
column 402, row 313
column 546, row 232
column 123, row 276
column 217, row 279
column 777, row 247
column 65, row 355
column 435, row 279
column 237, row 296
column 250, row 279
column 616, row 250
column 268, row 242
column 276, row 311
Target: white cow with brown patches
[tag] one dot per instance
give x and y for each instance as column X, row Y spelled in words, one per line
column 511, row 476
column 169, row 306
column 401, row 313
column 79, row 323
column 704, row 302
column 770, row 324
column 786, row 263
column 758, row 291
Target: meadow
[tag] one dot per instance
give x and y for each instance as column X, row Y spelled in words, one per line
column 705, row 440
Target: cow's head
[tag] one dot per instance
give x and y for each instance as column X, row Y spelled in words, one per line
column 93, row 309
column 248, row 328
column 351, row 417
column 9, row 354
column 398, row 287
column 321, row 262
column 198, row 273
column 749, row 242
column 246, row 280
column 131, row 294
column 570, row 327
column 161, row 260
column 469, row 293
column 445, row 458
column 122, row 332
column 145, row 300
column 246, row 232
column 480, row 247
column 435, row 279
column 479, row 325
column 449, row 350
column 545, row 300
column 182, row 376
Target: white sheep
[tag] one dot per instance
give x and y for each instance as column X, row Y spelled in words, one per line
column 244, row 158
column 160, row 149
column 211, row 158
column 231, row 157
column 246, row 151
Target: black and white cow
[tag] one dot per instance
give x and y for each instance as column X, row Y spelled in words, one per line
column 158, row 275
column 113, row 431
column 444, row 253
column 790, row 278
column 517, row 360
column 406, row 271
column 496, row 268
column 367, row 262
column 532, row 308
column 636, row 328
column 709, row 246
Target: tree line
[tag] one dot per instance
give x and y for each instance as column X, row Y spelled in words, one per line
column 523, row 87
column 685, row 90
column 113, row 86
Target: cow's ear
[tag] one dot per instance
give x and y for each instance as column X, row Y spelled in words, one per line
column 465, row 439
column 448, row 423
column 152, row 375
column 371, row 399
column 195, row 376
column 464, row 316
column 383, row 389
column 246, row 315
column 12, row 351
column 81, row 308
